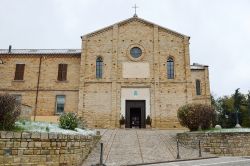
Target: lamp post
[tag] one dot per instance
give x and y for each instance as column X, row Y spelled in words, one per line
column 237, row 119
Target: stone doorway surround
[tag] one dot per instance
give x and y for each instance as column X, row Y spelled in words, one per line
column 135, row 114
column 135, row 93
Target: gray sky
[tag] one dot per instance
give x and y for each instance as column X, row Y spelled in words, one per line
column 219, row 29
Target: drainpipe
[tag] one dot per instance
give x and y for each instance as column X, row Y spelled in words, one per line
column 37, row 86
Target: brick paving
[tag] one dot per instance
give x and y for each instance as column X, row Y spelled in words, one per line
column 133, row 146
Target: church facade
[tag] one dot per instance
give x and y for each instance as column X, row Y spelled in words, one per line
column 133, row 68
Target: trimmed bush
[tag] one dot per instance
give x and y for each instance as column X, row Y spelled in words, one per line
column 10, row 110
column 194, row 116
column 68, row 121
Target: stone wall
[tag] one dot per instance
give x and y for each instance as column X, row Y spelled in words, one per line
column 44, row 149
column 222, row 144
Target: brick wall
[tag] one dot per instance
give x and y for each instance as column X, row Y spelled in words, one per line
column 49, row 87
column 203, row 76
column 222, row 144
column 157, row 44
column 26, row 112
column 22, row 148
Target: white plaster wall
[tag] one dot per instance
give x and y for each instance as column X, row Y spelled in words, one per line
column 135, row 70
column 128, row 94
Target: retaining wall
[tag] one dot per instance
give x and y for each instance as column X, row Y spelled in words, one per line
column 24, row 148
column 222, row 144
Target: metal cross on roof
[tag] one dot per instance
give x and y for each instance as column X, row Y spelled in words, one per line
column 135, row 15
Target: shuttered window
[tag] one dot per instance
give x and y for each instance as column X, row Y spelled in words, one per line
column 19, row 71
column 62, row 72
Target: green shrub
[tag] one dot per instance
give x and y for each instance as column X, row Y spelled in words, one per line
column 10, row 110
column 68, row 121
column 194, row 116
column 148, row 120
column 47, row 129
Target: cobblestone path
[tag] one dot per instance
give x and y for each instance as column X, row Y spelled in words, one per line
column 132, row 146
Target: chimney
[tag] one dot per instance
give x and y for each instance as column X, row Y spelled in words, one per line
column 9, row 48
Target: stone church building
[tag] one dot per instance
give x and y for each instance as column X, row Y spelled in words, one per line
column 133, row 68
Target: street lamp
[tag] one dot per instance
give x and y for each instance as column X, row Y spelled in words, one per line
column 237, row 119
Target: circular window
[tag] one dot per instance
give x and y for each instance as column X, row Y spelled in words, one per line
column 135, row 52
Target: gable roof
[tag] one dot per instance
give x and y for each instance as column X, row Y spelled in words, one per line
column 135, row 18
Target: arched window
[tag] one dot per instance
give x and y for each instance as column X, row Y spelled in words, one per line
column 99, row 65
column 198, row 87
column 170, row 68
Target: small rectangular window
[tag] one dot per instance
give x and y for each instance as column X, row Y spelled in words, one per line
column 18, row 98
column 19, row 71
column 62, row 72
column 60, row 103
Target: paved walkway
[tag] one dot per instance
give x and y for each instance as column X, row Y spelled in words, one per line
column 133, row 146
column 222, row 161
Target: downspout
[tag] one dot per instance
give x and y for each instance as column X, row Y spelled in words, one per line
column 37, row 86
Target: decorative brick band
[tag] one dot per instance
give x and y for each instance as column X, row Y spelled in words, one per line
column 44, row 148
column 222, row 144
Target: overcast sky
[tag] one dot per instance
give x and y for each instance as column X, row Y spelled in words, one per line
column 219, row 29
